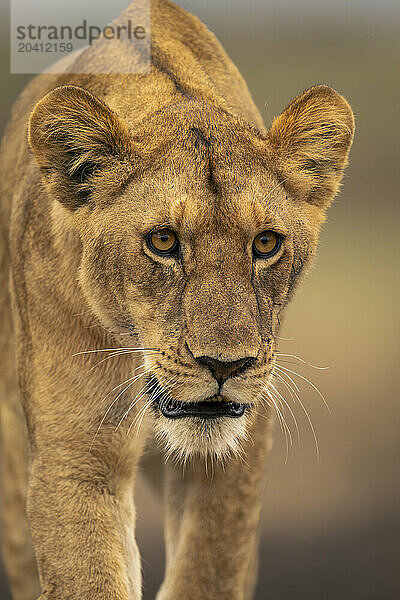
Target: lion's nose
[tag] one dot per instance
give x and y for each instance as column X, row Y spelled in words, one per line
column 222, row 370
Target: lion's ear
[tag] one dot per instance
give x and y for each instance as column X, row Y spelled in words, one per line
column 310, row 144
column 75, row 136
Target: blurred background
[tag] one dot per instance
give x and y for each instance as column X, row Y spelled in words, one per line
column 330, row 529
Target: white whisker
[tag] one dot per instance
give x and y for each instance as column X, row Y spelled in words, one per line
column 136, row 399
column 124, row 382
column 305, row 412
column 289, row 409
column 302, row 361
column 115, row 349
column 282, row 368
column 132, row 381
column 119, row 353
column 140, row 415
column 284, row 426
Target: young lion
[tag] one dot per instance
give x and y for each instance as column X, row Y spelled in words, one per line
column 156, row 230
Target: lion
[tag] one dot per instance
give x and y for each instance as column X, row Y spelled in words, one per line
column 153, row 232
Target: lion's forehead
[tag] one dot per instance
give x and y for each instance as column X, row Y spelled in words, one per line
column 186, row 203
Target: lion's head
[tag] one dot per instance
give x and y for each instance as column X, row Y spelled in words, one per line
column 195, row 229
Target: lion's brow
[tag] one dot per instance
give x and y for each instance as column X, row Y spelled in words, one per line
column 203, row 145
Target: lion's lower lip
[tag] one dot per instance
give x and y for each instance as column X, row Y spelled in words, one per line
column 174, row 409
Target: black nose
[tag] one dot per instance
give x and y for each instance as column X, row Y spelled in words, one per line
column 222, row 370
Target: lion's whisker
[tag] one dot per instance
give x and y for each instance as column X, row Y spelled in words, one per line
column 136, row 399
column 283, row 430
column 289, row 409
column 302, row 361
column 282, row 421
column 305, row 412
column 140, row 395
column 132, row 381
column 119, row 353
column 141, row 413
column 124, row 382
column 116, row 349
column 293, row 383
column 285, row 369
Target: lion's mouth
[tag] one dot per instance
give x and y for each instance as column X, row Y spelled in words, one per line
column 207, row 409
column 174, row 409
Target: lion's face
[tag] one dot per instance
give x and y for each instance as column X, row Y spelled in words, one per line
column 210, row 307
column 194, row 234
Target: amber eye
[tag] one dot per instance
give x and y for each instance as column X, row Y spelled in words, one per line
column 162, row 241
column 266, row 244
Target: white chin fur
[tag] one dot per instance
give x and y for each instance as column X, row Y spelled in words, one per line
column 195, row 437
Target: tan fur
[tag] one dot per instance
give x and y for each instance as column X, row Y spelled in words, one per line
column 109, row 158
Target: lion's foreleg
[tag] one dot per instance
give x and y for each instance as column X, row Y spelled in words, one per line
column 83, row 534
column 17, row 548
column 80, row 494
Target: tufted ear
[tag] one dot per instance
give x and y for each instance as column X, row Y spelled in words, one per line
column 74, row 137
column 310, row 144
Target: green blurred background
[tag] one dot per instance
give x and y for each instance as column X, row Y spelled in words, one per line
column 330, row 529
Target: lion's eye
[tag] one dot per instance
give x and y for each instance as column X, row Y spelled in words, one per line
column 162, row 241
column 266, row 244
